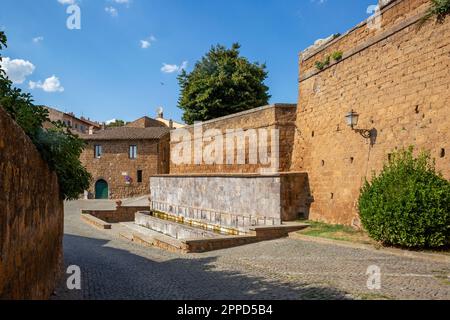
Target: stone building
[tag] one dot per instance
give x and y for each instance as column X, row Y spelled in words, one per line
column 121, row 160
column 391, row 71
column 80, row 125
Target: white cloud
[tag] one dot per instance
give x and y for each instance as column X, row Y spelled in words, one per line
column 17, row 70
column 38, row 39
column 122, row 1
column 112, row 11
column 51, row 84
column 64, row 2
column 146, row 43
column 171, row 68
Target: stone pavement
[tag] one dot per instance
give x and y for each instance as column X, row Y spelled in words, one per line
column 113, row 268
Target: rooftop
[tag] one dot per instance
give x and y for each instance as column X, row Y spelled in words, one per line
column 127, row 133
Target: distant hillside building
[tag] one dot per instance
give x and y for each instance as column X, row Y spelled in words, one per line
column 81, row 125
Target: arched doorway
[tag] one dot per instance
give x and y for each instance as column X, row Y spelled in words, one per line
column 101, row 189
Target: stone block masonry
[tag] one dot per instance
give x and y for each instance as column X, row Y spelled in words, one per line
column 277, row 116
column 31, row 218
column 397, row 78
column 115, row 164
column 232, row 200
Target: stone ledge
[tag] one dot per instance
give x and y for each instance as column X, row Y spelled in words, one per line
column 228, row 175
column 239, row 114
column 394, row 251
column 308, row 54
column 100, row 224
column 363, row 46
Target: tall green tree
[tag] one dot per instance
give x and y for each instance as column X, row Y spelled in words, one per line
column 222, row 83
column 58, row 146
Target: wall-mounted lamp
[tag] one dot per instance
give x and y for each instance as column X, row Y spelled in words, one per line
column 352, row 121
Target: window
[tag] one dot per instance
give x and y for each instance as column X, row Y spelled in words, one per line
column 98, row 151
column 139, row 176
column 133, row 152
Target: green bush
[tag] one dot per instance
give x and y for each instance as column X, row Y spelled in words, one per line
column 408, row 204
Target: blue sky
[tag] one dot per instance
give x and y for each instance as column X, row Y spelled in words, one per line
column 113, row 67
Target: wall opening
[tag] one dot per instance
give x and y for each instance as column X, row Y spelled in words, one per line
column 442, row 153
column 101, row 190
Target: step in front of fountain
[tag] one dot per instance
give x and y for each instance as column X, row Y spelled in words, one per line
column 173, row 234
column 172, row 228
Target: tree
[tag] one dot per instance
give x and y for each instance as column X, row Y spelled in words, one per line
column 117, row 123
column 222, row 83
column 58, row 146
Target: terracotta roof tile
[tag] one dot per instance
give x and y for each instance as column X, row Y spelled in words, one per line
column 127, row 133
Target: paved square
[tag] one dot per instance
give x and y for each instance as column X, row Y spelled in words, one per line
column 113, row 268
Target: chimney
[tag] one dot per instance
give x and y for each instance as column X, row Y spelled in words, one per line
column 160, row 113
column 171, row 124
column 91, row 130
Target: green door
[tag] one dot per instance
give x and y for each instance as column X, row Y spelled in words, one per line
column 101, row 189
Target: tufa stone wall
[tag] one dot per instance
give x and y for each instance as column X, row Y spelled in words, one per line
column 31, row 218
column 278, row 116
column 398, row 79
column 152, row 158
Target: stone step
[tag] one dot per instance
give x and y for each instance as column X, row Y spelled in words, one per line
column 175, row 229
column 100, row 224
column 150, row 237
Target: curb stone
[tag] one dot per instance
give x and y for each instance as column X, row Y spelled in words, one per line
column 398, row 252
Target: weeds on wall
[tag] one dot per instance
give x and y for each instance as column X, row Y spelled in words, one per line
column 439, row 9
column 336, row 56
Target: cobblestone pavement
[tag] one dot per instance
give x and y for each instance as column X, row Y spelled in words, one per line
column 112, row 268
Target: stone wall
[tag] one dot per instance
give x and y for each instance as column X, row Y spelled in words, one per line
column 278, row 116
column 31, row 218
column 120, row 214
column 230, row 200
column 398, row 79
column 115, row 164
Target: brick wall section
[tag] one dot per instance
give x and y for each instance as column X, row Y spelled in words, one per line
column 278, row 116
column 153, row 158
column 31, row 218
column 400, row 86
column 121, row 214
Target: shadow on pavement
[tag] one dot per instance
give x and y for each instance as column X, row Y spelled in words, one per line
column 111, row 273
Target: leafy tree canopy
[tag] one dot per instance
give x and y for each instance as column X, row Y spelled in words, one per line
column 117, row 123
column 222, row 83
column 58, row 146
